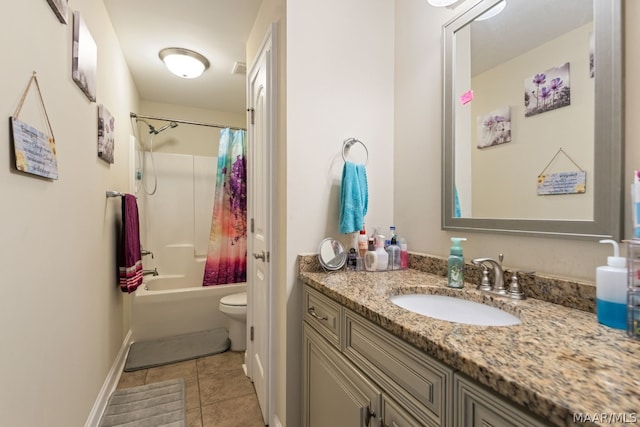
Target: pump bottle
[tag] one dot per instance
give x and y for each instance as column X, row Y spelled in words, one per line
column 611, row 290
column 455, row 264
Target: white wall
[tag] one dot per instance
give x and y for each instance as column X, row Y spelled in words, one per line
column 537, row 138
column 63, row 317
column 417, row 151
column 340, row 65
column 178, row 215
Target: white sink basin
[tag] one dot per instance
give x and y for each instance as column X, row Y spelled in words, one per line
column 455, row 310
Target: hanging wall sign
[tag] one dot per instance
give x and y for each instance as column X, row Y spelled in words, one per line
column 562, row 183
column 34, row 151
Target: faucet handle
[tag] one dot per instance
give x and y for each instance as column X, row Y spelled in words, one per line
column 485, row 284
column 515, row 290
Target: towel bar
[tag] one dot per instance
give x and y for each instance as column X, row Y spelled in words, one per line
column 111, row 193
column 350, row 142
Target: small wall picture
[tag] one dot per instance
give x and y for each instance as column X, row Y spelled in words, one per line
column 106, row 131
column 494, row 128
column 85, row 57
column 547, row 91
column 60, row 8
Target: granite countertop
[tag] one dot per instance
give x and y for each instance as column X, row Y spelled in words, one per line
column 557, row 362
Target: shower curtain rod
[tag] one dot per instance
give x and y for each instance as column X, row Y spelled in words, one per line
column 186, row 122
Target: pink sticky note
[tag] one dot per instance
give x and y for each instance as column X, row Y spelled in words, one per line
column 466, row 97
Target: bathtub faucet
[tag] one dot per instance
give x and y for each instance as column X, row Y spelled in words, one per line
column 153, row 272
column 145, row 252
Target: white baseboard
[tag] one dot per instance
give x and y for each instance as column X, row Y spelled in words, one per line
column 110, row 383
column 276, row 422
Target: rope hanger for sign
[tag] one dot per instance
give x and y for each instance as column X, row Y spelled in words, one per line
column 562, row 182
column 34, row 79
column 35, row 151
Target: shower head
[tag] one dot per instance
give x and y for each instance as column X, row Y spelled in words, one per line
column 167, row 126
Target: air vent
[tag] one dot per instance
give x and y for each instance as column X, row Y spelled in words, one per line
column 239, row 68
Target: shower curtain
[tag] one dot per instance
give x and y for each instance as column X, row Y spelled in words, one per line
column 227, row 254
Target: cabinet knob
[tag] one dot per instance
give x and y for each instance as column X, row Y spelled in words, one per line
column 367, row 414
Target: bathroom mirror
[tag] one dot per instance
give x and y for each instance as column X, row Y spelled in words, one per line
column 331, row 254
column 532, row 119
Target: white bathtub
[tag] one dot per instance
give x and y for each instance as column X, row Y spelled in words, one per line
column 168, row 305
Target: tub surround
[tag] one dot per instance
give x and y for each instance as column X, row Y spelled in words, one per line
column 558, row 362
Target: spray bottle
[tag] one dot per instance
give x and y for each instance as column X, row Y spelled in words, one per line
column 611, row 290
column 456, row 264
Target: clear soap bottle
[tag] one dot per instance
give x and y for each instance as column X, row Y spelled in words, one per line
column 455, row 264
column 394, row 255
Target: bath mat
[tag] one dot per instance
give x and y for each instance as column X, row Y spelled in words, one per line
column 151, row 405
column 147, row 354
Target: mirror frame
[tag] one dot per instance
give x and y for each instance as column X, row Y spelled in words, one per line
column 608, row 217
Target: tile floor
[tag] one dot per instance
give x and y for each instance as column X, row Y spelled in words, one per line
column 218, row 392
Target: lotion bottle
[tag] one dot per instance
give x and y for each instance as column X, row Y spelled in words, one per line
column 611, row 290
column 381, row 253
column 371, row 257
column 455, row 264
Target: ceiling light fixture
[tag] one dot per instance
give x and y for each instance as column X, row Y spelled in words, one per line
column 499, row 7
column 445, row 3
column 184, row 63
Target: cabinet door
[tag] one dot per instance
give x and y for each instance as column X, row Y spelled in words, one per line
column 478, row 407
column 394, row 415
column 334, row 393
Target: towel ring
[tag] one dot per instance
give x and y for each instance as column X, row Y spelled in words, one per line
column 350, row 142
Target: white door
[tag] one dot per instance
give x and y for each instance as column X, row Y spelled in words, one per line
column 261, row 128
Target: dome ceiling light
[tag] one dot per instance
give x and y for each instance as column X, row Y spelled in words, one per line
column 184, row 63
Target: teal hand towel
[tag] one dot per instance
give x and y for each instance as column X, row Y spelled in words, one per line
column 354, row 198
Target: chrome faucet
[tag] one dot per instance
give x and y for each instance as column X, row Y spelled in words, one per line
column 498, row 275
column 153, row 272
column 515, row 289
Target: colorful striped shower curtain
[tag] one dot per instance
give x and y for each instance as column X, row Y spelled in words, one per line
column 227, row 254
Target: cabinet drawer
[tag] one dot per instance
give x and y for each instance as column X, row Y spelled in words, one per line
column 323, row 314
column 417, row 382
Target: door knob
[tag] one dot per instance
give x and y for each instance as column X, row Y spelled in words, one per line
column 261, row 256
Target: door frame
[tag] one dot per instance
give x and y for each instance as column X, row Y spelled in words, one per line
column 268, row 50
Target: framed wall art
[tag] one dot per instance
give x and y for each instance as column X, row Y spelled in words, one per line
column 60, row 8
column 85, row 57
column 106, row 131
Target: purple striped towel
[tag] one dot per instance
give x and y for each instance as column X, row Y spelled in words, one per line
column 130, row 264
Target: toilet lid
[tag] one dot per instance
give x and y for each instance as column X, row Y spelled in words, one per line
column 235, row 299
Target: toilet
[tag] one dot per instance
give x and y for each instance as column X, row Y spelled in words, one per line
column 234, row 306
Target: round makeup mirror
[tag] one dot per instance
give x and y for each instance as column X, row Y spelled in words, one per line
column 331, row 254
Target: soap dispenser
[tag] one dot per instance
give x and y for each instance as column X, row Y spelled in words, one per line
column 611, row 290
column 455, row 264
column 381, row 254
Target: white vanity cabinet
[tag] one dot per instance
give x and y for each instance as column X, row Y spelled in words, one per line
column 477, row 406
column 357, row 374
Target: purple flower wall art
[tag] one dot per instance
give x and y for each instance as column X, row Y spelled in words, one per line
column 494, row 128
column 547, row 91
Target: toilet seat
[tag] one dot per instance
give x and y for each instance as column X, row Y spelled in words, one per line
column 235, row 300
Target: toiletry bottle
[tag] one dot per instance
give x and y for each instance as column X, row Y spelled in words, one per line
column 455, row 268
column 382, row 255
column 394, row 255
column 635, row 204
column 371, row 257
column 611, row 290
column 352, row 258
column 404, row 255
column 392, row 234
column 363, row 243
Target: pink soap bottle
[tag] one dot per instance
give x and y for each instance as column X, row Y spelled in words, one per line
column 404, row 256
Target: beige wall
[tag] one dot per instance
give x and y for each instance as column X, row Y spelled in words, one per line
column 62, row 317
column 186, row 139
column 509, row 171
column 417, row 151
